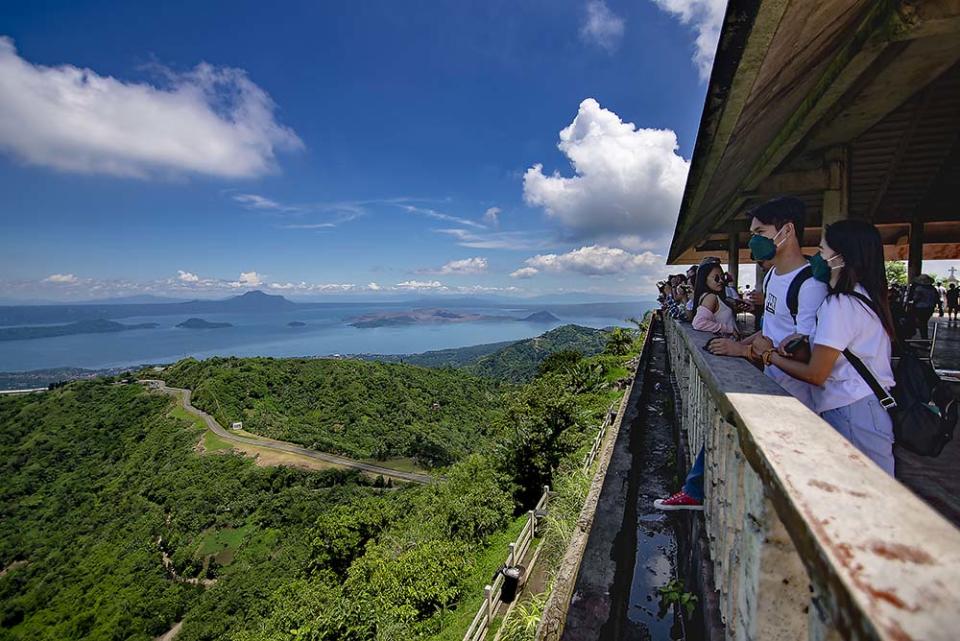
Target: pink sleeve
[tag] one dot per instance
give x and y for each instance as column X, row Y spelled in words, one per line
column 705, row 321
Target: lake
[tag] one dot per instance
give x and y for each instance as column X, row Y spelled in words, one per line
column 327, row 331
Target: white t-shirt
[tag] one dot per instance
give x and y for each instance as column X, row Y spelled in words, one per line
column 778, row 324
column 844, row 322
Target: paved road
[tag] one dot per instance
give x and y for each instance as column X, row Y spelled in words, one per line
column 216, row 428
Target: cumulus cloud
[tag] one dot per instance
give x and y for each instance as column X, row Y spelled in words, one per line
column 525, row 272
column 65, row 279
column 601, row 27
column 250, row 279
column 476, row 265
column 210, row 120
column 594, row 260
column 492, row 216
column 187, row 277
column 706, row 18
column 626, row 180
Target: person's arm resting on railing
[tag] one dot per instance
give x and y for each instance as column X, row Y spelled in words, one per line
column 815, row 372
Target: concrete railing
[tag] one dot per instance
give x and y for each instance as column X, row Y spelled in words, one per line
column 809, row 539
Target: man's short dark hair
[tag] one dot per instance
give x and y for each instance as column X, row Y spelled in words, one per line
column 780, row 211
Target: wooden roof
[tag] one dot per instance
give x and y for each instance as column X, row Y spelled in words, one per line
column 856, row 100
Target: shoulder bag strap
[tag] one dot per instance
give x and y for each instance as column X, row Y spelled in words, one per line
column 886, row 401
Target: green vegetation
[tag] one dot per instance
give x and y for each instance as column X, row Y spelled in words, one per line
column 114, row 527
column 80, row 327
column 360, row 409
column 896, row 272
column 519, row 362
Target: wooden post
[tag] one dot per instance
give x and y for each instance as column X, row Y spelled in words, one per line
column 915, row 262
column 533, row 523
column 733, row 256
column 488, row 596
column 511, row 561
column 836, row 198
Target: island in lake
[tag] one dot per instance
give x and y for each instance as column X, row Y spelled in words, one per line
column 433, row 316
column 541, row 317
column 98, row 326
column 296, row 324
column 199, row 323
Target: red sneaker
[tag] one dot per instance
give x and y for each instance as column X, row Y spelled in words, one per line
column 679, row 501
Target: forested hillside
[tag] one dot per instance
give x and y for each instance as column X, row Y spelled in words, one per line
column 357, row 408
column 515, row 361
column 115, row 526
column 519, row 362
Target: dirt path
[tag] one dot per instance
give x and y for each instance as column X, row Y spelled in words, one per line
column 282, row 446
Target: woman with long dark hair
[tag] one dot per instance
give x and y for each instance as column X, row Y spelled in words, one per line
column 713, row 312
column 855, row 315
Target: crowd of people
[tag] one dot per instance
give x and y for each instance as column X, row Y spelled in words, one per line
column 813, row 312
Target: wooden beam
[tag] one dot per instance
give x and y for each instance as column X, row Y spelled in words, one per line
column 733, row 256
column 902, row 146
column 793, row 182
column 915, row 261
column 854, row 60
column 836, row 200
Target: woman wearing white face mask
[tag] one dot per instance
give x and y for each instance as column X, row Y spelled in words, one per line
column 855, row 316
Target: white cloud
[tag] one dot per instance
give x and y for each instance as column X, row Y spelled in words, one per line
column 439, row 215
column 187, row 277
column 525, row 272
column 421, row 284
column 627, row 180
column 601, row 26
column 373, row 287
column 255, row 201
column 706, row 17
column 593, row 260
column 496, row 239
column 211, row 120
column 250, row 279
column 65, row 279
column 476, row 265
column 492, row 216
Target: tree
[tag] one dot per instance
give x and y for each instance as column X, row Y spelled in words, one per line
column 619, row 341
column 896, row 272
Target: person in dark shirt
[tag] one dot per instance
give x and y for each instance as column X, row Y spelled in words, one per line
column 953, row 301
column 922, row 301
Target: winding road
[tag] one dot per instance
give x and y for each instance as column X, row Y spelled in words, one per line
column 282, row 446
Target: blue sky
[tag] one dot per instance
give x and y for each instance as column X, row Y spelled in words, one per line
column 366, row 148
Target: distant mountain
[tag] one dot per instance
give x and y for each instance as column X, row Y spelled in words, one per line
column 421, row 317
column 541, row 317
column 199, row 323
column 99, row 326
column 253, row 301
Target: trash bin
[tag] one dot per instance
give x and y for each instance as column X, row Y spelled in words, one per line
column 511, row 581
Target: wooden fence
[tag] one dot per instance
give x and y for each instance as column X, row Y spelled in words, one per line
column 515, row 552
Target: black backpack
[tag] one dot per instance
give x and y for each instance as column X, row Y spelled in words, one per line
column 923, row 410
column 793, row 291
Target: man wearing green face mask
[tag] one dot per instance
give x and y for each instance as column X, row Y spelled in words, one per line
column 791, row 295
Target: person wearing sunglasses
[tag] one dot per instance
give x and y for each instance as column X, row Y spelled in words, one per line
column 714, row 313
